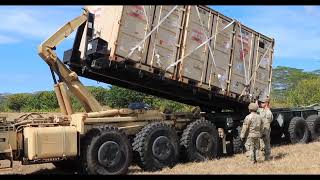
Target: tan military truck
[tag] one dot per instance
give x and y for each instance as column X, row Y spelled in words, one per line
column 190, row 54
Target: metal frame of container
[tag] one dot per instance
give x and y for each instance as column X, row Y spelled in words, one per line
column 234, row 78
column 144, row 52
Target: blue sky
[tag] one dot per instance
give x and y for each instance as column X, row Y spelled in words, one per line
column 295, row 28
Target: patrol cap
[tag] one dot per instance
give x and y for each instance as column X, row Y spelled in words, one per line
column 265, row 99
column 253, row 107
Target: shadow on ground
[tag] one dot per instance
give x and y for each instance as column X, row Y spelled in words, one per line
column 53, row 171
column 279, row 156
column 56, row 171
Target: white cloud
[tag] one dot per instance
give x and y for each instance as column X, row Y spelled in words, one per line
column 312, row 10
column 35, row 22
column 295, row 28
column 7, row 39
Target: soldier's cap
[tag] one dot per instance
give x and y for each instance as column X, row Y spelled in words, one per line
column 253, row 107
column 263, row 100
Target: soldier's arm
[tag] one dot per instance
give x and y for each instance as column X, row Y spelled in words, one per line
column 262, row 127
column 269, row 116
column 265, row 122
column 245, row 127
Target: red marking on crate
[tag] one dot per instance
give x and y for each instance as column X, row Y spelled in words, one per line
column 96, row 12
column 162, row 42
column 245, row 40
column 243, row 53
column 137, row 12
column 197, row 36
column 139, row 7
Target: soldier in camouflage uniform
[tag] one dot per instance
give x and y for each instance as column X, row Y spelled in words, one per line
column 267, row 118
column 251, row 131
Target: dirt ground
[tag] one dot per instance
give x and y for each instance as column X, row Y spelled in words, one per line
column 287, row 159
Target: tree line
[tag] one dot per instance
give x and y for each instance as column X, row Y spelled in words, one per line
column 115, row 97
column 291, row 87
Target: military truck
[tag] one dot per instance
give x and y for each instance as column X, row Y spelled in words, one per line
column 190, row 54
column 295, row 125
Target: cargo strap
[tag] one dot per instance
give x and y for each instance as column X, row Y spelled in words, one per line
column 147, row 36
column 205, row 42
column 146, row 28
column 256, row 68
column 256, row 61
column 210, row 50
column 242, row 54
column 146, row 15
column 158, row 60
column 154, row 53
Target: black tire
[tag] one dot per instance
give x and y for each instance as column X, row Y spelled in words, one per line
column 313, row 122
column 298, row 131
column 148, row 154
column 106, row 151
column 237, row 144
column 199, row 141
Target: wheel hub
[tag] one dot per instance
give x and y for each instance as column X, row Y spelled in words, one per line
column 204, row 142
column 109, row 154
column 161, row 148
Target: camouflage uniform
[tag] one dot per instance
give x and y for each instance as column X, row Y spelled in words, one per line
column 251, row 131
column 267, row 118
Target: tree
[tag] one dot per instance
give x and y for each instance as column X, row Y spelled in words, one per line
column 100, row 93
column 120, row 97
column 284, row 80
column 2, row 105
column 18, row 101
column 161, row 104
column 43, row 101
column 307, row 92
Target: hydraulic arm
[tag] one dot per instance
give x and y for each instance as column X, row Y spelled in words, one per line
column 67, row 78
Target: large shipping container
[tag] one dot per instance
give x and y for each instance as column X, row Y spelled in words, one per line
column 189, row 44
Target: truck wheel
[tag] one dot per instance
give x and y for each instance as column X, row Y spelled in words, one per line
column 298, row 130
column 156, row 146
column 313, row 122
column 199, row 141
column 108, row 152
column 236, row 141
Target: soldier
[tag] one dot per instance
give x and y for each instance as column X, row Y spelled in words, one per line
column 251, row 131
column 267, row 118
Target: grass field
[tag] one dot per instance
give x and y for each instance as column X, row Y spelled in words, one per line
column 287, row 159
